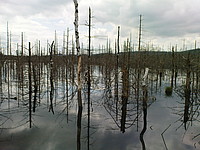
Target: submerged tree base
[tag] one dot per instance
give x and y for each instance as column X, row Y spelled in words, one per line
column 168, row 91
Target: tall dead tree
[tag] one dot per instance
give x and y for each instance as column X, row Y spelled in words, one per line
column 51, row 78
column 47, row 48
column 40, row 70
column 78, row 53
column 63, row 49
column 125, row 85
column 30, row 86
column 138, row 70
column 187, row 92
column 8, row 80
column 1, row 52
column 89, row 82
column 116, row 73
column 140, row 33
column 144, row 107
column 172, row 76
column 72, row 67
column 35, row 87
column 67, row 87
column 55, row 44
column 22, row 44
column 7, row 40
column 10, row 44
column 80, row 107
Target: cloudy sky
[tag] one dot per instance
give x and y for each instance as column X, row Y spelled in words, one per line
column 164, row 22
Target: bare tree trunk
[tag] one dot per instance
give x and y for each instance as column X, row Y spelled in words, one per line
column 80, row 107
column 63, row 50
column 140, row 33
column 160, row 78
column 22, row 44
column 39, row 73
column 125, row 88
column 51, row 79
column 175, row 66
column 144, row 118
column 144, row 106
column 89, row 82
column 18, row 74
column 116, row 74
column 8, row 67
column 47, row 48
column 1, row 88
column 172, row 77
column 197, row 75
column 7, row 40
column 30, row 86
column 67, row 88
column 72, row 68
column 1, row 52
column 47, row 77
column 78, row 53
column 138, row 72
column 187, row 93
column 55, row 44
column 10, row 45
column 35, row 87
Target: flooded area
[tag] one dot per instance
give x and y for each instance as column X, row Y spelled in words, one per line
column 89, row 75
column 39, row 109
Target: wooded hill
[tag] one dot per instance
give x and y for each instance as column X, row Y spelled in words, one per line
column 150, row 59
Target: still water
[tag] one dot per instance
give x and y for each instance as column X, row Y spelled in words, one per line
column 46, row 117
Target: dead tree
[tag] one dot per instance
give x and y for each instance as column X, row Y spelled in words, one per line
column 30, row 86
column 67, row 86
column 187, row 92
column 172, row 76
column 51, row 78
column 35, row 87
column 7, row 40
column 138, row 71
column 116, row 74
column 40, row 72
column 144, row 107
column 10, row 44
column 89, row 81
column 22, row 44
column 80, row 107
column 125, row 87
column 55, row 44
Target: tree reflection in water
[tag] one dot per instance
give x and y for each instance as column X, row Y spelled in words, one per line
column 144, row 107
column 190, row 106
column 15, row 121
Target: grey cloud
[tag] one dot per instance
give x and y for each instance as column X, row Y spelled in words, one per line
column 107, row 11
column 172, row 18
column 161, row 18
column 14, row 8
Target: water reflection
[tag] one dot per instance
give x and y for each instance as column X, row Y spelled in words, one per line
column 189, row 106
column 144, row 107
column 117, row 121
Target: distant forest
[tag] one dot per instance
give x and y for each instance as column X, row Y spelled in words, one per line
column 150, row 59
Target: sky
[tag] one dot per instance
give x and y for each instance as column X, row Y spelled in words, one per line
column 165, row 23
